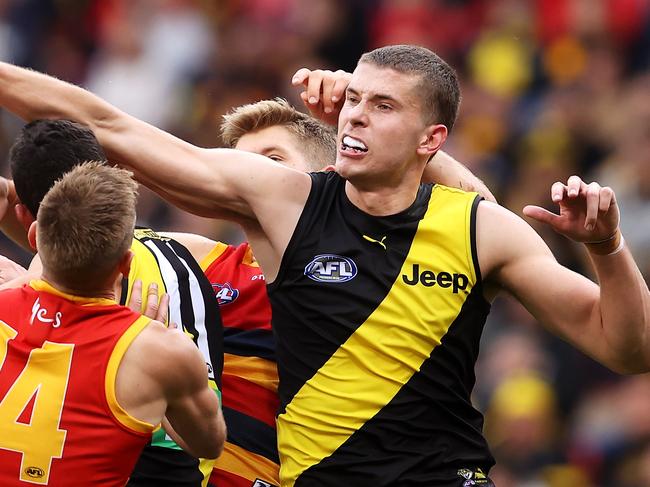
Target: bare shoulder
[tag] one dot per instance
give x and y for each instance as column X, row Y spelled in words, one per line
column 503, row 237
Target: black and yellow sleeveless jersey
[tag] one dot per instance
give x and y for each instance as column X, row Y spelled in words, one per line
column 378, row 321
column 192, row 304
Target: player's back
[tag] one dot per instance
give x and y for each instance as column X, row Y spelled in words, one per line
column 60, row 423
column 193, row 305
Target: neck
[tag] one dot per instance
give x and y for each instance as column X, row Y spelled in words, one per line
column 106, row 290
column 385, row 195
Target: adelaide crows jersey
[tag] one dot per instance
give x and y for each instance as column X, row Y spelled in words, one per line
column 250, row 376
column 378, row 322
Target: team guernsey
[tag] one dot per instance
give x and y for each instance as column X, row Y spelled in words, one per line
column 60, row 423
column 193, row 305
column 378, row 322
column 250, row 378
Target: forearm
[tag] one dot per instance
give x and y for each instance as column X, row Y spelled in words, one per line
column 624, row 310
column 446, row 170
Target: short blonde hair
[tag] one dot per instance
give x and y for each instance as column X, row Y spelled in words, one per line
column 316, row 140
column 85, row 224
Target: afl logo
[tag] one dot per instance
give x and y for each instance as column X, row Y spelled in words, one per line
column 225, row 293
column 331, row 268
column 34, row 472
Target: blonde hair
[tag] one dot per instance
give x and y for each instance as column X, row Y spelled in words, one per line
column 316, row 140
column 85, row 224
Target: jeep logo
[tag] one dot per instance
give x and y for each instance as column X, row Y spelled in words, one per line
column 34, row 472
column 458, row 282
column 331, row 268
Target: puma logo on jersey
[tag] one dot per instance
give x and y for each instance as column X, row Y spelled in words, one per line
column 458, row 282
column 379, row 242
column 40, row 314
column 225, row 293
column 331, row 268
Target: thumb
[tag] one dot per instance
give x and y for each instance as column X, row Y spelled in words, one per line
column 541, row 215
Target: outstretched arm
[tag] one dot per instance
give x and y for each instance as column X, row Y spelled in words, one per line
column 610, row 321
column 208, row 182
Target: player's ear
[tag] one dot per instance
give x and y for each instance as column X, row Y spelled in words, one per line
column 23, row 215
column 31, row 234
column 125, row 262
column 432, row 139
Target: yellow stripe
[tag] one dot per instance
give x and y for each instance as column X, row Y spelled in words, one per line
column 250, row 466
column 40, row 285
column 371, row 367
column 213, row 255
column 205, row 467
column 257, row 370
column 111, row 374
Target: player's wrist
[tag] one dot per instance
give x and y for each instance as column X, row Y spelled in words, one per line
column 609, row 246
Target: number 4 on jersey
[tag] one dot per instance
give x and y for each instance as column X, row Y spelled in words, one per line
column 40, row 440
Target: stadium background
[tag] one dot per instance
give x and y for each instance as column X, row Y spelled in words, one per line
column 550, row 88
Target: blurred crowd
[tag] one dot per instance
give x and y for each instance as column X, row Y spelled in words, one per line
column 550, row 88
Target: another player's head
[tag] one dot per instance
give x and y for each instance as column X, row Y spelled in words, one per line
column 275, row 129
column 84, row 228
column 43, row 152
column 400, row 104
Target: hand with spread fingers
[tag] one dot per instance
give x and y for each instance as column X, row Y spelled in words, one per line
column 588, row 214
column 154, row 309
column 324, row 92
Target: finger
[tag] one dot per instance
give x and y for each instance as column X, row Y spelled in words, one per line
column 557, row 192
column 300, row 76
column 163, row 308
column 606, row 199
column 574, row 185
column 542, row 215
column 151, row 308
column 135, row 302
column 314, row 85
column 340, row 85
column 329, row 81
column 592, row 202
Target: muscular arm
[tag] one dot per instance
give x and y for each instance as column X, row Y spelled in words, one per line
column 163, row 374
column 209, row 182
column 609, row 322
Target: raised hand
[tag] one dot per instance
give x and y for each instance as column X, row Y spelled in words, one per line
column 324, row 92
column 588, row 212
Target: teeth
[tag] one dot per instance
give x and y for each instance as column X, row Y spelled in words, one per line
column 354, row 143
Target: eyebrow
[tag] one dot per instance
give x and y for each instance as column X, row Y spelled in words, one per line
column 377, row 96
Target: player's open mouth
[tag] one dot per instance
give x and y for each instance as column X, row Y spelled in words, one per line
column 353, row 145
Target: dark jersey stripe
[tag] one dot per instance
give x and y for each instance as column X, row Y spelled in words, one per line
column 253, row 435
column 249, row 343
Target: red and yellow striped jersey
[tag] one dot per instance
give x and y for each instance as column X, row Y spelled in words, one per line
column 250, row 378
column 60, row 422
